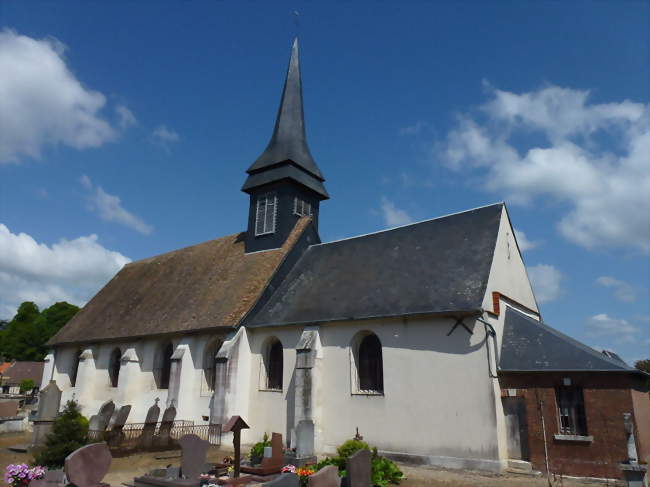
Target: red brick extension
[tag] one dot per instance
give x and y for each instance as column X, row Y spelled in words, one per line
column 607, row 396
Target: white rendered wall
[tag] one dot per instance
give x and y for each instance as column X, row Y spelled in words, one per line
column 438, row 403
column 136, row 384
column 508, row 273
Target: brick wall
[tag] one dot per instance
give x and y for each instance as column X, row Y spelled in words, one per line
column 606, row 395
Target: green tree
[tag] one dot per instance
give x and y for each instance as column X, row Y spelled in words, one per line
column 26, row 385
column 69, row 432
column 26, row 335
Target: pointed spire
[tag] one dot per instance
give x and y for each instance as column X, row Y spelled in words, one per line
column 289, row 142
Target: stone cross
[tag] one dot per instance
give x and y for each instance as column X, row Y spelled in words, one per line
column 359, row 469
column 236, row 424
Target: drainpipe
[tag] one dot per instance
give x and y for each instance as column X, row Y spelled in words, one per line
column 490, row 332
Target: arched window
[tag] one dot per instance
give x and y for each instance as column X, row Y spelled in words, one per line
column 274, row 364
column 370, row 364
column 74, row 370
column 164, row 365
column 209, row 355
column 114, row 366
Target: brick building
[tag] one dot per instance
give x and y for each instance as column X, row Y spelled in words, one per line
column 564, row 402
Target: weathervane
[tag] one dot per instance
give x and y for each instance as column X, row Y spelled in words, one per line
column 296, row 21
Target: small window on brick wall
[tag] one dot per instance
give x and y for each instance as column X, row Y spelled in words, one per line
column 301, row 207
column 571, row 411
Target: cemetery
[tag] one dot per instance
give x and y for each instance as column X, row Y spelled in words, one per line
column 68, row 449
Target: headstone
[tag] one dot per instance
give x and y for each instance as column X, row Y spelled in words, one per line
column 87, row 466
column 104, row 415
column 149, row 429
column 285, row 480
column 325, row 477
column 166, row 425
column 118, row 421
column 48, row 408
column 52, row 478
column 277, row 452
column 359, row 469
column 194, row 451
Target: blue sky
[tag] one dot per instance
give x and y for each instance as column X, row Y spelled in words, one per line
column 126, row 128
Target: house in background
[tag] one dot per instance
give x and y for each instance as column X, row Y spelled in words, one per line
column 12, row 374
column 426, row 337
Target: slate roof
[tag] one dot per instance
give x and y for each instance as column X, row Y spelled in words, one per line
column 287, row 154
column 532, row 346
column 18, row 371
column 212, row 284
column 436, row 266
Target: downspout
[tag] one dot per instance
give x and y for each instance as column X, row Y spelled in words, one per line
column 490, row 332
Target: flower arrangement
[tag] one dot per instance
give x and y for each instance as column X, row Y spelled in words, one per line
column 19, row 475
column 288, row 468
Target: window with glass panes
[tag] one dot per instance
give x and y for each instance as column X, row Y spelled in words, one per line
column 265, row 217
column 301, row 207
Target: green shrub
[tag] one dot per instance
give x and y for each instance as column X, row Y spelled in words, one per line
column 257, row 452
column 69, row 433
column 384, row 471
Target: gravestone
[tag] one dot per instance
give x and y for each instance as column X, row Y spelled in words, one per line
column 52, row 478
column 118, row 421
column 87, row 466
column 194, row 451
column 149, row 429
column 48, row 408
column 325, row 477
column 166, row 426
column 273, row 464
column 359, row 469
column 102, row 417
column 285, row 480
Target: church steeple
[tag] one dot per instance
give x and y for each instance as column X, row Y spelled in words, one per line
column 284, row 182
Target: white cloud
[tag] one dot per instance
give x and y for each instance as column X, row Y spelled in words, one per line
column 591, row 157
column 70, row 270
column 109, row 207
column 546, row 281
column 126, row 116
column 604, row 326
column 393, row 216
column 41, row 101
column 165, row 136
column 524, row 243
column 622, row 290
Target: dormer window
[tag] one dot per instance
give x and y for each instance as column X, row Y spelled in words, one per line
column 301, row 207
column 266, row 210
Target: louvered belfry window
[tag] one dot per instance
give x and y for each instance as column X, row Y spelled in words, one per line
column 265, row 217
column 301, row 207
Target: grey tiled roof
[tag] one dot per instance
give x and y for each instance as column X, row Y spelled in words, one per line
column 530, row 345
column 436, row 266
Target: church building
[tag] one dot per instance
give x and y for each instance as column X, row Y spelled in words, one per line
column 427, row 338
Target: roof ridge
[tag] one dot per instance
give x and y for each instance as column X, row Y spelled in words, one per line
column 585, row 348
column 412, row 223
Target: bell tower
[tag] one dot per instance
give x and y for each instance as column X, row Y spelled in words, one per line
column 284, row 183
